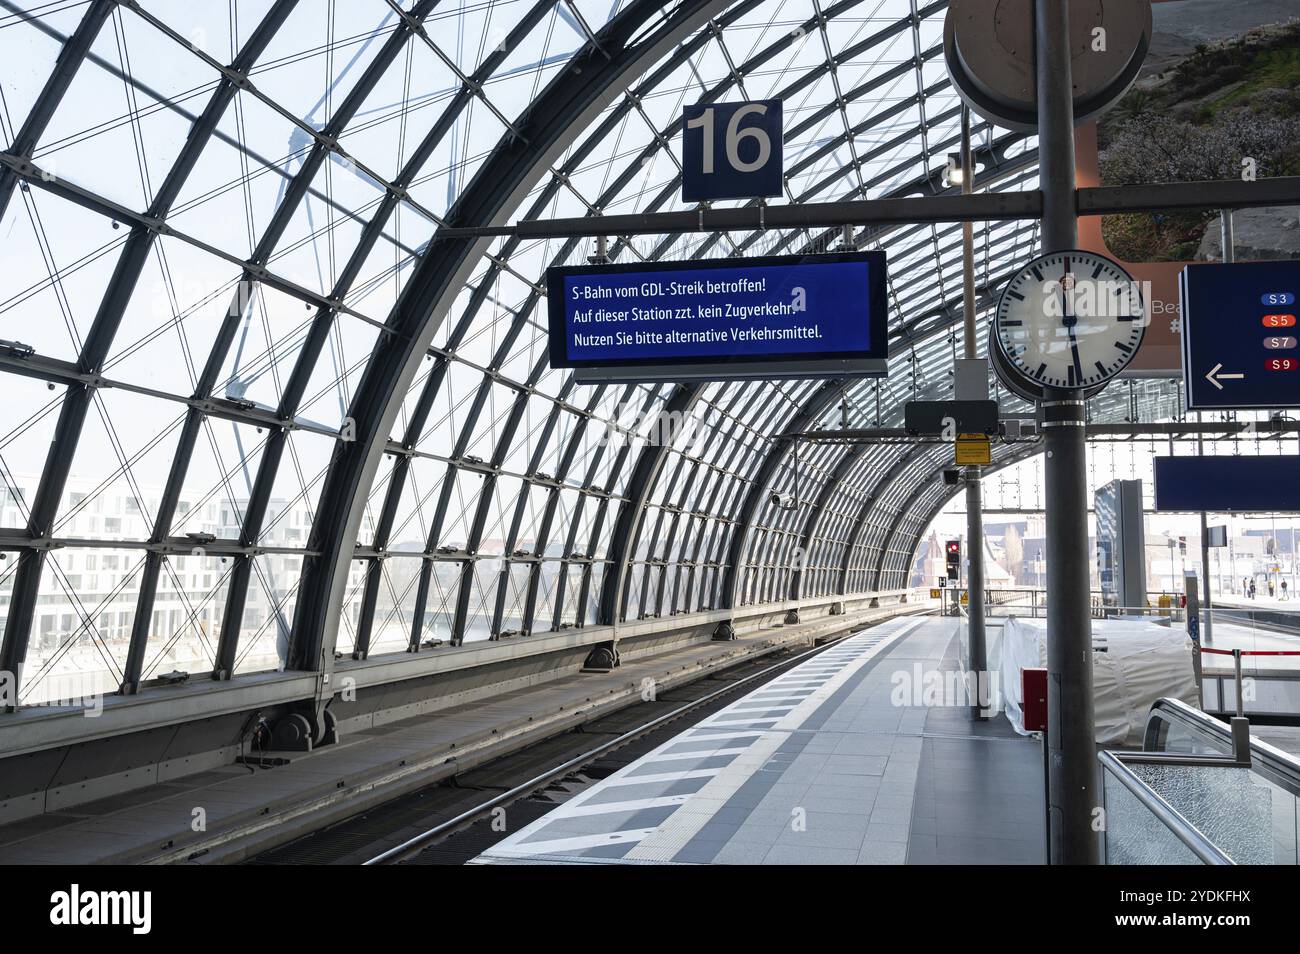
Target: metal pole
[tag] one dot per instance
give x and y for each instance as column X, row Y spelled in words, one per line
column 1236, row 667
column 977, row 648
column 1229, row 254
column 968, row 238
column 1072, row 751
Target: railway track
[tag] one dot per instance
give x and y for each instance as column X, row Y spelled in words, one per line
column 455, row 820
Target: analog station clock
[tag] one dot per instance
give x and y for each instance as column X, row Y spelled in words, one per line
column 1068, row 320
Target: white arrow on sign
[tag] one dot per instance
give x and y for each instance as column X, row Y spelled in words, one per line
column 1214, row 377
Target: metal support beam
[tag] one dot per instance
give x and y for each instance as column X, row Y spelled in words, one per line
column 202, row 132
column 984, row 207
column 848, row 460
column 821, row 399
column 977, row 655
column 628, row 522
column 1189, row 196
column 1207, row 629
column 1071, row 749
column 71, row 56
column 640, row 34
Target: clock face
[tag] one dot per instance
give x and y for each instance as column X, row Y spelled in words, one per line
column 1070, row 320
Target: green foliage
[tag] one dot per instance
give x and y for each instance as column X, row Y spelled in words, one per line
column 1219, row 105
column 1155, row 238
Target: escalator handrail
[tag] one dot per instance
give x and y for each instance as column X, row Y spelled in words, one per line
column 1281, row 767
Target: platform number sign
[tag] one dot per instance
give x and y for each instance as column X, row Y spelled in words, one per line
column 732, row 151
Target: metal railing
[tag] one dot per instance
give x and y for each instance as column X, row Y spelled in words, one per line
column 1172, row 719
column 1200, row 792
column 1031, row 602
column 1149, row 847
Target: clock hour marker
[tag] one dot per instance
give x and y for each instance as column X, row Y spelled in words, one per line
column 1057, row 332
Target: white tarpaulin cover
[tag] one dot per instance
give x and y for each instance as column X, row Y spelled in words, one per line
column 1134, row 663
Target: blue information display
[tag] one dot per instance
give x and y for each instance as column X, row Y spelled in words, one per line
column 1240, row 335
column 1228, row 484
column 788, row 316
column 732, row 151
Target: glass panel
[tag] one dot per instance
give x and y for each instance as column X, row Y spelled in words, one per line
column 440, row 609
column 1134, row 836
column 399, row 585
column 82, row 625
column 1251, row 820
column 268, row 613
column 1176, row 737
column 31, row 410
column 187, row 613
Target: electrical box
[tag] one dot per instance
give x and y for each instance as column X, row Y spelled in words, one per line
column 971, row 379
column 1033, row 694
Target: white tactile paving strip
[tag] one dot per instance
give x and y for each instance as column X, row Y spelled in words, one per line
column 685, row 801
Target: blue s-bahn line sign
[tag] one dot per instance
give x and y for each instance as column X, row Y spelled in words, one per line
column 1240, row 335
column 732, row 151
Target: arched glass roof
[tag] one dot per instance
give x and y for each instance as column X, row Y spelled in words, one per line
column 260, row 411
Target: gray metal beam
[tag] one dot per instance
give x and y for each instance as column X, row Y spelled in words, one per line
column 202, row 131
column 983, row 207
column 305, row 363
column 1189, row 196
column 80, row 397
column 627, row 524
column 578, row 94
column 69, row 61
column 993, row 206
column 822, row 398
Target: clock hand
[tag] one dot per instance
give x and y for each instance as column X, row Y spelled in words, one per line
column 1069, row 318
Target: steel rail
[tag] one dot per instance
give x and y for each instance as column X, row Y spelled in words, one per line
column 418, row 843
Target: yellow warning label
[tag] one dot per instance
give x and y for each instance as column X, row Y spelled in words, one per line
column 973, row 450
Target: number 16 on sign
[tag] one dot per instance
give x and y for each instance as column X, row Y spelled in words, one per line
column 732, row 151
